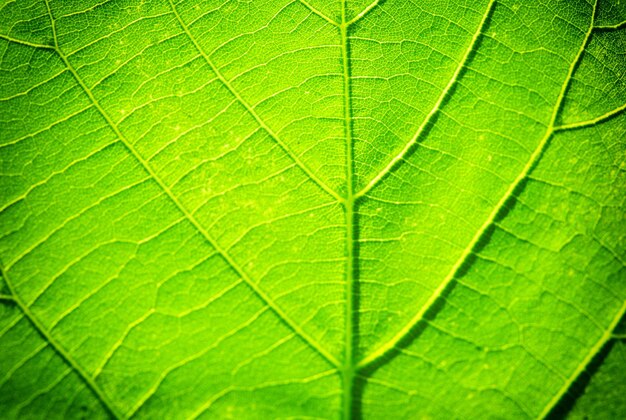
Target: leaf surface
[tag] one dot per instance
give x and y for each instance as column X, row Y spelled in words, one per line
column 312, row 209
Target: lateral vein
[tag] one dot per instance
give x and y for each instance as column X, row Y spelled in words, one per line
column 318, row 13
column 363, row 13
column 387, row 347
column 582, row 124
column 251, row 110
column 435, row 109
column 26, row 43
column 63, row 354
column 606, row 337
column 227, row 257
column 619, row 25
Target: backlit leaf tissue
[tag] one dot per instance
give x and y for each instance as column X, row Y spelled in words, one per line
column 330, row 209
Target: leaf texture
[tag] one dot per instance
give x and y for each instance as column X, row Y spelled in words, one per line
column 312, row 209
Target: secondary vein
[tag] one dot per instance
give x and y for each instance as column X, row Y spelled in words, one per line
column 27, row 43
column 435, row 109
column 619, row 25
column 318, row 12
column 534, row 158
column 187, row 214
column 251, row 110
column 582, row 124
column 582, row 366
column 363, row 13
column 59, row 350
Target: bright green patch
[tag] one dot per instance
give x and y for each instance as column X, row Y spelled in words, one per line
column 312, row 209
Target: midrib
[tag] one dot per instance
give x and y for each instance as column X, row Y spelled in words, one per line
column 348, row 367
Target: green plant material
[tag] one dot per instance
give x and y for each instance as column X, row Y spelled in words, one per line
column 603, row 393
column 312, row 209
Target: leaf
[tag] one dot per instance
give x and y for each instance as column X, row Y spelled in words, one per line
column 312, row 209
column 602, row 395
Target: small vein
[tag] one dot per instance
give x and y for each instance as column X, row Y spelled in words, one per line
column 595, row 121
column 36, row 395
column 253, row 286
column 363, row 13
column 56, row 346
column 251, row 110
column 26, row 43
column 18, row 364
column 619, row 25
column 202, row 410
column 317, row 12
column 187, row 360
column 436, row 108
column 388, row 346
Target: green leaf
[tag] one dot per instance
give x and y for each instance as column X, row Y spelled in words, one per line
column 602, row 395
column 312, row 209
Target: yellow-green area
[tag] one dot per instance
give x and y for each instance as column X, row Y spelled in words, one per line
column 356, row 209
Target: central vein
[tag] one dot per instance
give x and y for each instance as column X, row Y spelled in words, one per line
column 348, row 369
